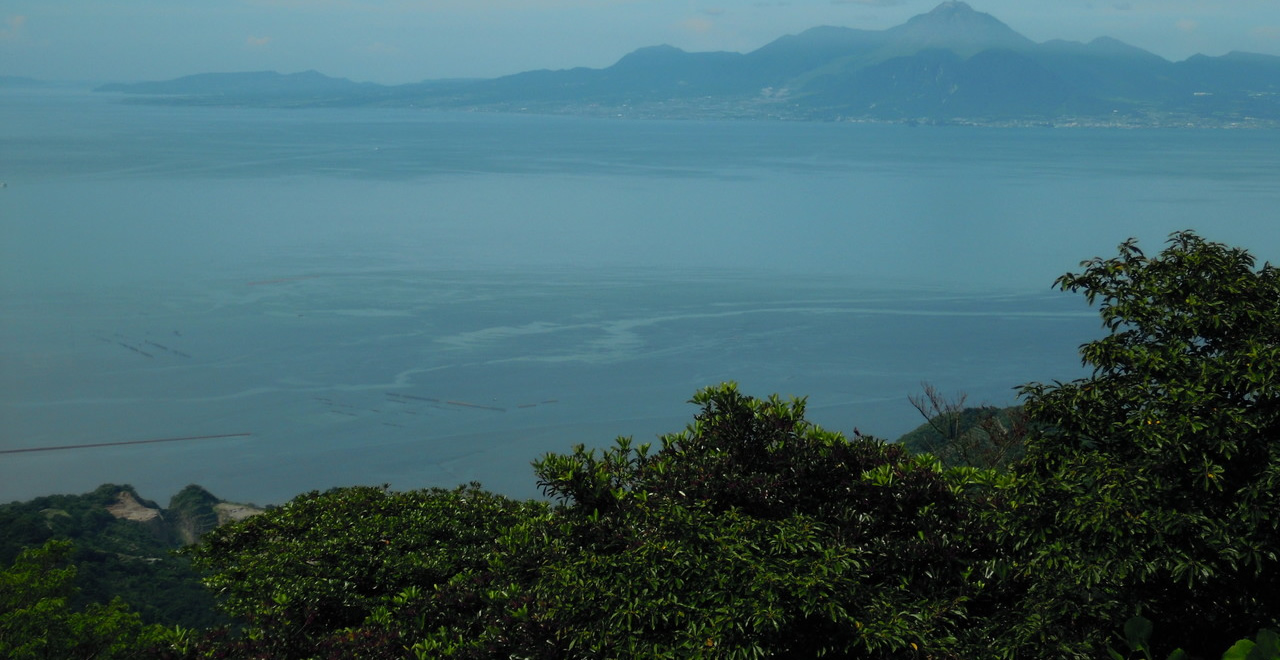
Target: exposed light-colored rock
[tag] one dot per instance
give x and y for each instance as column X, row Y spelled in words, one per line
column 129, row 508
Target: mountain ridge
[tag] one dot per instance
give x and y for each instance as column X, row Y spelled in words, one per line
column 952, row 64
column 124, row 543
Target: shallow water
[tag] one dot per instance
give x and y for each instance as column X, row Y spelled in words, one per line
column 425, row 299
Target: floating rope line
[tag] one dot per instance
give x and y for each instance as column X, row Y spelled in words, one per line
column 126, row 442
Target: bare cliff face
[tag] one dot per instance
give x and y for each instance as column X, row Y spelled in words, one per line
column 191, row 514
column 229, row 512
column 123, row 546
column 129, row 508
column 196, row 511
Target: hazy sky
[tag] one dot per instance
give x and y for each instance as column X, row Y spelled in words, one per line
column 396, row 41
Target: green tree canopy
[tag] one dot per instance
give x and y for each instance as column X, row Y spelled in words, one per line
column 38, row 623
column 755, row 533
column 1153, row 484
column 354, row 570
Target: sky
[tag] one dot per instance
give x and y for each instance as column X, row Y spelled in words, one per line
column 401, row 41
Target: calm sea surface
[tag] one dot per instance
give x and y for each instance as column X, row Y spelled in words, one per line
column 390, row 296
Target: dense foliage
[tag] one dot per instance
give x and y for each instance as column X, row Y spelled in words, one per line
column 113, row 557
column 755, row 533
column 751, row 533
column 978, row 436
column 1140, row 520
column 356, row 571
column 1154, row 486
column 37, row 620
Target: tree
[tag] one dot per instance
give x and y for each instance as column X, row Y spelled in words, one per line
column 358, row 570
column 983, row 436
column 1152, row 486
column 36, row 621
column 112, row 556
column 756, row 533
column 752, row 532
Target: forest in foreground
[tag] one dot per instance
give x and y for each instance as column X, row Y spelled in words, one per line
column 1128, row 514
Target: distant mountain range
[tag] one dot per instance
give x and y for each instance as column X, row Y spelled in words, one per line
column 953, row 64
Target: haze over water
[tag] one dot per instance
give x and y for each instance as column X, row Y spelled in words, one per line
column 425, row 299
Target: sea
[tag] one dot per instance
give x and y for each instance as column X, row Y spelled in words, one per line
column 266, row 302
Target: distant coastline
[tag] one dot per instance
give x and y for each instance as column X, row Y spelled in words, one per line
column 741, row 110
column 951, row 66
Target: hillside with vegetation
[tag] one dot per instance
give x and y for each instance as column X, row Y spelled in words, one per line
column 122, row 546
column 952, row 64
column 1137, row 522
